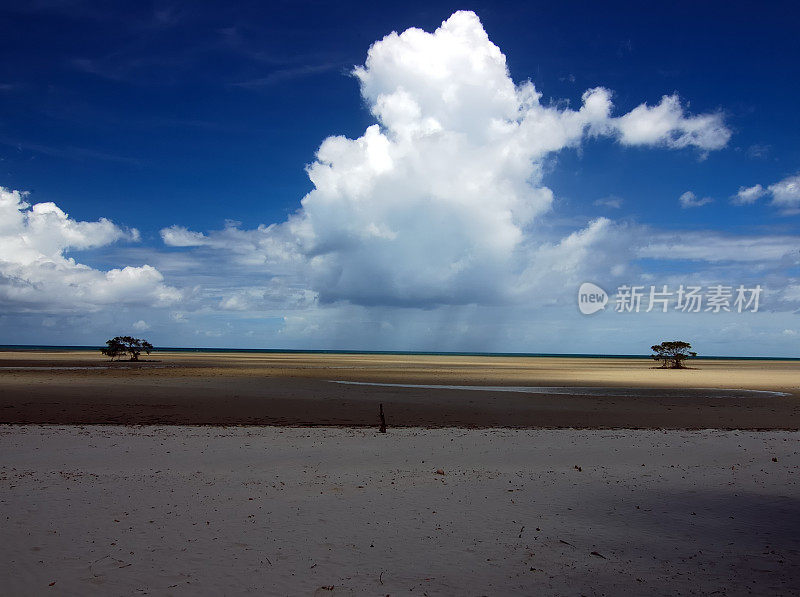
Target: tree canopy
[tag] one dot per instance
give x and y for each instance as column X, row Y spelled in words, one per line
column 672, row 354
column 118, row 347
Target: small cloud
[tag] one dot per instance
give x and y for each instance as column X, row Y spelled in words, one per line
column 688, row 200
column 758, row 152
column 165, row 17
column 236, row 302
column 209, row 333
column 141, row 325
column 178, row 236
column 79, row 154
column 288, row 74
column 791, row 333
column 786, row 195
column 612, row 201
column 667, row 124
column 748, row 195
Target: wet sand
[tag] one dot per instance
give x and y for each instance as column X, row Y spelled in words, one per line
column 300, row 389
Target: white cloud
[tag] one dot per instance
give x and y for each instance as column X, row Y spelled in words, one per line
column 178, row 236
column 264, row 245
column 786, row 195
column 792, row 292
column 688, row 200
column 714, row 247
column 439, row 203
column 748, row 195
column 666, row 124
column 29, row 232
column 141, row 325
column 36, row 275
column 275, row 295
column 758, row 151
column 612, row 201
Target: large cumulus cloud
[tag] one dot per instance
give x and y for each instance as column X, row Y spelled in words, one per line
column 36, row 275
column 439, row 202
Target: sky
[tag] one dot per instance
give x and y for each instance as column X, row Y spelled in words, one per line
column 406, row 176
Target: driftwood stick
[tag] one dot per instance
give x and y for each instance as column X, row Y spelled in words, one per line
column 383, row 420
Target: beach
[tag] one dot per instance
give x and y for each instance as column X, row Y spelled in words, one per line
column 79, row 387
column 157, row 510
column 265, row 474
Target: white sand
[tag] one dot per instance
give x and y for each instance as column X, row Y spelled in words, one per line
column 282, row 511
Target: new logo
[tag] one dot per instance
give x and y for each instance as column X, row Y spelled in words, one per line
column 591, row 298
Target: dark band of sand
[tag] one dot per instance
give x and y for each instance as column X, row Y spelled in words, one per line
column 273, row 389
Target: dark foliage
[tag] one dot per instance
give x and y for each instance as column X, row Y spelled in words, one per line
column 672, row 354
column 118, row 347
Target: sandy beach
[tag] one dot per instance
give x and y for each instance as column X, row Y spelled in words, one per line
column 301, row 389
column 561, row 476
column 331, row 511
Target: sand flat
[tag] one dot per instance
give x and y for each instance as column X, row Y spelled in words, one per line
column 298, row 389
column 331, row 511
column 755, row 374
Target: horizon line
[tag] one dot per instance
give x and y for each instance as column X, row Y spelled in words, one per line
column 12, row 347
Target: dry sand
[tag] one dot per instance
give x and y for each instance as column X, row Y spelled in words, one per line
column 330, row 511
column 297, row 389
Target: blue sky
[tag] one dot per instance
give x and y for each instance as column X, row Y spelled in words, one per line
column 201, row 120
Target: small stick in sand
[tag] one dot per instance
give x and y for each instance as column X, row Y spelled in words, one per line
column 383, row 420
